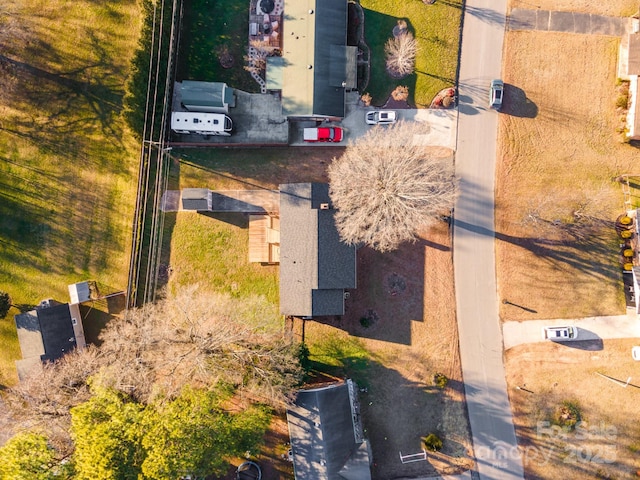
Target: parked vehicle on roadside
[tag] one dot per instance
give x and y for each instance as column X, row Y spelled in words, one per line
column 495, row 94
column 635, row 353
column 322, row 134
column 380, row 117
column 560, row 334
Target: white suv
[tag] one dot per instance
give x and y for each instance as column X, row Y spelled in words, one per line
column 560, row 334
column 380, row 117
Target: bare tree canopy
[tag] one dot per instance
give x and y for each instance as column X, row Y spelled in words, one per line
column 200, row 339
column 387, row 185
column 401, row 53
column 189, row 340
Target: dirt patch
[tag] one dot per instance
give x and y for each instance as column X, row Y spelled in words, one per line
column 414, row 336
column 604, row 443
column 272, row 458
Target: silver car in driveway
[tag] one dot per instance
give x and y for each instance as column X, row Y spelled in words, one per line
column 560, row 334
column 496, row 92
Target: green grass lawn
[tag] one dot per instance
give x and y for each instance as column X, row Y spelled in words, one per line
column 211, row 251
column 209, row 27
column 68, row 164
column 437, row 30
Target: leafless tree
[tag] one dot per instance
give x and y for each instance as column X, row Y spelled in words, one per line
column 387, row 185
column 193, row 338
column 42, row 401
column 190, row 338
column 401, row 54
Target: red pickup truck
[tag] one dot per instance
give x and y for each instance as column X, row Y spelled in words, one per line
column 323, row 134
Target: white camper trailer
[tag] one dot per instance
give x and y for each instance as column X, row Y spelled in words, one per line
column 202, row 123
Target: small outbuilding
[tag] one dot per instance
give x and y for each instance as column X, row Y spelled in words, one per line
column 198, row 199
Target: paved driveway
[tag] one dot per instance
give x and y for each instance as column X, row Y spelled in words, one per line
column 571, row 22
column 590, row 328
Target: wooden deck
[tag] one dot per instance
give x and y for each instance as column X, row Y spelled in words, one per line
column 264, row 239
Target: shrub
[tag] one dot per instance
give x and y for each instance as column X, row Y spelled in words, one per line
column 365, row 99
column 401, row 54
column 400, row 93
column 365, row 322
column 5, row 304
column 567, row 414
column 622, row 101
column 303, row 357
column 432, row 442
column 440, row 380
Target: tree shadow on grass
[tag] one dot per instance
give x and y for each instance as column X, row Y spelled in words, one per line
column 581, row 247
column 68, row 104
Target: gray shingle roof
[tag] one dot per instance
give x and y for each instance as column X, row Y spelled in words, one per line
column 315, row 265
column 322, row 436
column 46, row 333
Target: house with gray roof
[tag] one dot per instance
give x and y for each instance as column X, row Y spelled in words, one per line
column 326, row 434
column 316, row 266
column 47, row 333
column 318, row 66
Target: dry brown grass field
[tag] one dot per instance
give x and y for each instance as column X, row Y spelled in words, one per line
column 560, row 152
column 556, row 194
column 606, row 445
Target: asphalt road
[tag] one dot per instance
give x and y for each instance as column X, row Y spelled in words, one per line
column 492, row 429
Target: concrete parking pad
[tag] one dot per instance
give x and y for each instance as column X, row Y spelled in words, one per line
column 542, row 19
column 561, row 22
column 582, row 22
column 609, row 25
column 523, row 19
column 590, row 328
column 570, row 22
